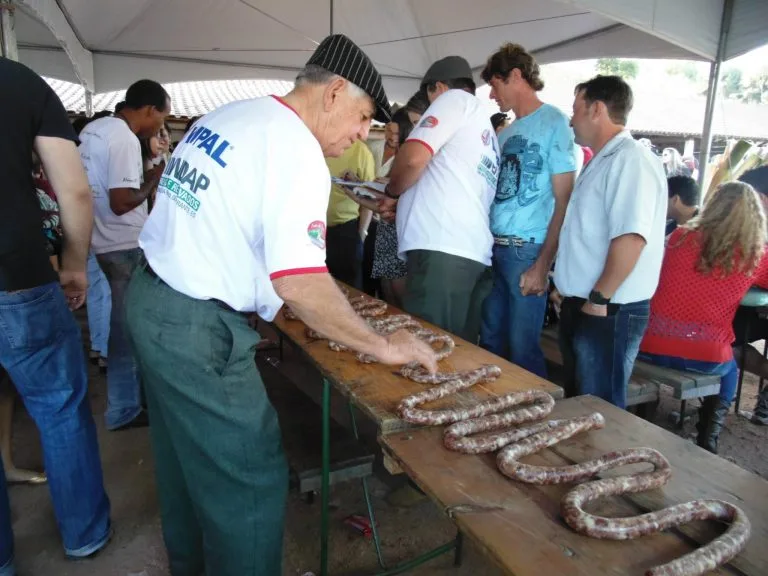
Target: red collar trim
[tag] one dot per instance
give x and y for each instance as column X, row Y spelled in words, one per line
column 284, row 103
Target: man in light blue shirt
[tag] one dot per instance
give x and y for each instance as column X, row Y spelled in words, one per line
column 538, row 165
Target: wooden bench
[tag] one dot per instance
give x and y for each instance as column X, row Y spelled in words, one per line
column 643, row 387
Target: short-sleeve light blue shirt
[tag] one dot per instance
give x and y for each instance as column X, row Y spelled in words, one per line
column 533, row 148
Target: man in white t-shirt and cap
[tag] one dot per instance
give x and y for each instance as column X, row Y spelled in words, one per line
column 611, row 245
column 111, row 154
column 441, row 187
column 238, row 229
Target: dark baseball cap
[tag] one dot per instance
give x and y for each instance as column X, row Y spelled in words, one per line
column 449, row 68
column 338, row 54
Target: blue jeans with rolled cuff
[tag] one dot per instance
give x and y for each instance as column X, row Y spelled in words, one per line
column 599, row 352
column 41, row 348
column 511, row 323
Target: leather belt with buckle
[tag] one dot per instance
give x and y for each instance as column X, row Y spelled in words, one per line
column 515, row 241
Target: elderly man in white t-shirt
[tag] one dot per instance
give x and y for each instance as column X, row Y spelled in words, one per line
column 611, row 245
column 238, row 229
column 111, row 154
column 441, row 187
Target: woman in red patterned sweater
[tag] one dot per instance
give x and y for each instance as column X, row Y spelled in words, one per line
column 709, row 266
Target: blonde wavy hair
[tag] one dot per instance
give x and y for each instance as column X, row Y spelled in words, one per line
column 733, row 230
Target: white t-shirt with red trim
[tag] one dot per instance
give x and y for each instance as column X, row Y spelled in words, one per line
column 447, row 209
column 242, row 202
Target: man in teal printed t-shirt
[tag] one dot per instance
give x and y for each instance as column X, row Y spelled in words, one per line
column 538, row 165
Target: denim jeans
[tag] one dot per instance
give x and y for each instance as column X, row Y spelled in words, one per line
column 123, row 386
column 728, row 371
column 599, row 352
column 42, row 350
column 222, row 477
column 511, row 325
column 99, row 306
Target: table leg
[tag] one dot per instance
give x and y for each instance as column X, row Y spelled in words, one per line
column 367, row 494
column 681, row 419
column 325, row 480
column 741, row 372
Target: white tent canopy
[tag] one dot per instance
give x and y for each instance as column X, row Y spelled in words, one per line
column 107, row 44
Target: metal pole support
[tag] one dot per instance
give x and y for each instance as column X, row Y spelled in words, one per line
column 714, row 80
column 8, row 47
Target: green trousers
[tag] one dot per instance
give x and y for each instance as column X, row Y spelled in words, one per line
column 447, row 291
column 222, row 477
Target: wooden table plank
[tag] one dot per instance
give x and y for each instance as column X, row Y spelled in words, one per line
column 377, row 389
column 520, row 527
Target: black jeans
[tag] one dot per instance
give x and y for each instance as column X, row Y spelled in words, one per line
column 599, row 351
column 371, row 286
column 344, row 253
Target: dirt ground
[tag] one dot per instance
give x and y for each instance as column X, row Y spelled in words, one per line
column 137, row 547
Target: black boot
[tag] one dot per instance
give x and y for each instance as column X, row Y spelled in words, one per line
column 712, row 416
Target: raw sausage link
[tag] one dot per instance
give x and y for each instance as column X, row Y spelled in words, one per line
column 523, row 441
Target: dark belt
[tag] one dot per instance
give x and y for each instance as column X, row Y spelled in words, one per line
column 148, row 269
column 577, row 302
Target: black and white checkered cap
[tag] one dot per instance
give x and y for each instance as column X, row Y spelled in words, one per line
column 338, row 54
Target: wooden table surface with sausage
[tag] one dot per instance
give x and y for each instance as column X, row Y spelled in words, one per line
column 520, row 527
column 377, row 389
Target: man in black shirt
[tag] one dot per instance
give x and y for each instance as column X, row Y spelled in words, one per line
column 40, row 341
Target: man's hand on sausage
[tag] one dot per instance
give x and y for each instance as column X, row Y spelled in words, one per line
column 404, row 348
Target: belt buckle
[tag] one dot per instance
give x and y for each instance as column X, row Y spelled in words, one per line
column 516, row 241
column 501, row 240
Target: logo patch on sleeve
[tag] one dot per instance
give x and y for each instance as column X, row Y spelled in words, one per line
column 429, row 122
column 316, row 233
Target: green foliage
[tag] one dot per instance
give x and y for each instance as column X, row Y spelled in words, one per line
column 627, row 69
column 686, row 69
column 732, row 86
column 756, row 90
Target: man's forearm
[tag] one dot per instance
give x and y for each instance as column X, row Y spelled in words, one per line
column 549, row 249
column 623, row 255
column 317, row 300
column 366, row 216
column 76, row 215
column 410, row 162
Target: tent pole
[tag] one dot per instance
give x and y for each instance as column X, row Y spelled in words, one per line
column 8, row 47
column 88, row 103
column 714, row 80
column 331, row 27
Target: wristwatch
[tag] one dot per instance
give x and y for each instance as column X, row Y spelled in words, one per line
column 595, row 297
column 389, row 194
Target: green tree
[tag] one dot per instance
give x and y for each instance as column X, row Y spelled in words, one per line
column 756, row 90
column 627, row 69
column 686, row 69
column 732, row 87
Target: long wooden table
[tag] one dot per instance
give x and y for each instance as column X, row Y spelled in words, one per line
column 519, row 525
column 377, row 390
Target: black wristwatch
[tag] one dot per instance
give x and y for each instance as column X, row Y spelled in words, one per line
column 389, row 194
column 595, row 297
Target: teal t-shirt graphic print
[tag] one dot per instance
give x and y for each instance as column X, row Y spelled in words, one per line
column 533, row 148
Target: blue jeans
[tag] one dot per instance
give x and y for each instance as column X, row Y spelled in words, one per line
column 728, row 371
column 511, row 325
column 99, row 306
column 123, row 386
column 599, row 352
column 41, row 348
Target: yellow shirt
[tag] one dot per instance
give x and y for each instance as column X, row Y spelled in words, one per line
column 358, row 160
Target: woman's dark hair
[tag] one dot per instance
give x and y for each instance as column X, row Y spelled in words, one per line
column 146, row 151
column 757, row 178
column 404, row 124
column 146, row 93
column 79, row 123
column 612, row 91
column 418, row 103
column 191, row 123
